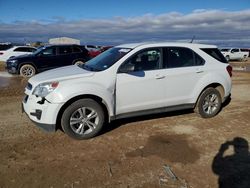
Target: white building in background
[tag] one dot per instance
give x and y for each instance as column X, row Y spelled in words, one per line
column 64, row 40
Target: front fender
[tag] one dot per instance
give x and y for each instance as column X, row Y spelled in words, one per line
column 65, row 93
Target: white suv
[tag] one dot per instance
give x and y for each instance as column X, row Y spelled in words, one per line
column 129, row 80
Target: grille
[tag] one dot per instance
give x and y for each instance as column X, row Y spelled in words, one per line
column 25, row 98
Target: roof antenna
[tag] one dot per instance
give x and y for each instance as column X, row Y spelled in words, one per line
column 192, row 39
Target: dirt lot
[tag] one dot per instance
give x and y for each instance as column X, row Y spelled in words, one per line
column 129, row 153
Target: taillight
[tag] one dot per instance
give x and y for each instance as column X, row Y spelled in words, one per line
column 229, row 70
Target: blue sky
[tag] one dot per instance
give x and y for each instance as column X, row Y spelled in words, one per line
column 21, row 10
column 115, row 22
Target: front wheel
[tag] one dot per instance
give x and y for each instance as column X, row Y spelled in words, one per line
column 209, row 103
column 83, row 119
column 27, row 70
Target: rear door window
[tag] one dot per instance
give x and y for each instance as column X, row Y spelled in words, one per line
column 64, row 50
column 175, row 57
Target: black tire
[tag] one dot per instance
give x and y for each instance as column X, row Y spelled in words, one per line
column 244, row 58
column 27, row 70
column 77, row 121
column 209, row 103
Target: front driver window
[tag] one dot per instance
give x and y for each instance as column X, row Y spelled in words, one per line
column 146, row 60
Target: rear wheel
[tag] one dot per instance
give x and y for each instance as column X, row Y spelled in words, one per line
column 244, row 58
column 83, row 119
column 27, row 70
column 209, row 103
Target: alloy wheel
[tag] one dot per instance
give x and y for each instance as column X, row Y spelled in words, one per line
column 84, row 120
column 210, row 104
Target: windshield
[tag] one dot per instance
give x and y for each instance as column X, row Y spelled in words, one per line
column 105, row 59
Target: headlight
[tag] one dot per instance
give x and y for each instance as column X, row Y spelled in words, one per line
column 42, row 90
column 13, row 62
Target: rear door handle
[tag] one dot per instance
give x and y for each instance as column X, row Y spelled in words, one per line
column 160, row 77
column 199, row 71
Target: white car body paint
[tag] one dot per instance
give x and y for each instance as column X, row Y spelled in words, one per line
column 124, row 92
column 6, row 54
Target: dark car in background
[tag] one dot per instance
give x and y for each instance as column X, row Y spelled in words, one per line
column 47, row 57
column 5, row 46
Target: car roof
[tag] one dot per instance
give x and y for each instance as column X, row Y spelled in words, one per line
column 162, row 44
column 50, row 45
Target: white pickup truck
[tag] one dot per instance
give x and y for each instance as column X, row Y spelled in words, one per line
column 235, row 54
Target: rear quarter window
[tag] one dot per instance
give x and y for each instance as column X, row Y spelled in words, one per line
column 215, row 53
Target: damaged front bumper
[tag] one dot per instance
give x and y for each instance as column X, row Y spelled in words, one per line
column 43, row 114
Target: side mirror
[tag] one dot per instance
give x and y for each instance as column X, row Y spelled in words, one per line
column 126, row 68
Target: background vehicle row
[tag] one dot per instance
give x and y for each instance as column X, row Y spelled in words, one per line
column 46, row 58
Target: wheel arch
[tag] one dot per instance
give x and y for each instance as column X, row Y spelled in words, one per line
column 27, row 63
column 215, row 85
column 97, row 99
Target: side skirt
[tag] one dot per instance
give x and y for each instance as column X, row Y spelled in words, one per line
column 153, row 111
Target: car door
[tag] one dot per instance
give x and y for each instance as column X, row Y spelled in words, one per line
column 141, row 88
column 235, row 54
column 65, row 56
column 47, row 59
column 183, row 69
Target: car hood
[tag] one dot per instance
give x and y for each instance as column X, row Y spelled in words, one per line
column 59, row 74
